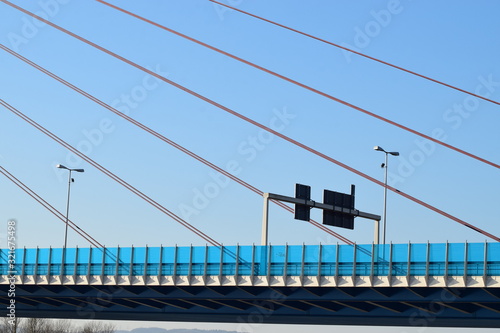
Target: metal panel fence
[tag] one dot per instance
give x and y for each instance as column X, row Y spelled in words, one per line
column 443, row 259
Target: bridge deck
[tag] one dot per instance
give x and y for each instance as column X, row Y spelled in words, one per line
column 453, row 285
column 454, row 259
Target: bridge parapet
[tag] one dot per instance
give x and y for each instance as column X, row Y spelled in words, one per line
column 390, row 265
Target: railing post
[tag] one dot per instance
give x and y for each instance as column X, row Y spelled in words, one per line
column 252, row 273
column 117, row 264
column 446, row 260
column 75, row 269
column 337, row 259
column 131, row 266
column 319, row 264
column 89, row 265
column 427, row 263
column 408, row 269
column 145, row 273
column 285, row 267
column 174, row 276
column 485, row 271
column 160, row 265
column 49, row 264
column 35, row 272
column 103, row 263
column 354, row 265
column 190, row 265
column 466, row 259
column 372, row 268
column 221, row 263
column 269, row 258
column 63, row 261
column 302, row 264
column 205, row 268
column 23, row 265
column 390, row 265
column 237, row 267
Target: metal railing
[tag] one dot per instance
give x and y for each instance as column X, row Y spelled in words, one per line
column 443, row 259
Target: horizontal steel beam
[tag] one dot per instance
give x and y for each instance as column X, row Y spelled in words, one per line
column 320, row 205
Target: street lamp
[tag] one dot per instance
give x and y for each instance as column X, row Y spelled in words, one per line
column 384, row 165
column 60, row 166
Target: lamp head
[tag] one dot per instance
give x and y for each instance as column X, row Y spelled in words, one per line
column 60, row 166
column 379, row 148
column 394, row 153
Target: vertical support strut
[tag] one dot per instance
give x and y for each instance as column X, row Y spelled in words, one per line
column 265, row 220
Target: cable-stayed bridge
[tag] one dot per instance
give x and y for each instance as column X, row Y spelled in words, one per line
column 453, row 285
column 448, row 284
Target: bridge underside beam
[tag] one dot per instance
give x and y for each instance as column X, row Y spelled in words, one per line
column 436, row 307
column 255, row 318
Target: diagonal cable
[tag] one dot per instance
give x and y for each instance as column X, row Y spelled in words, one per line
column 49, row 207
column 109, row 173
column 302, row 85
column 167, row 140
column 352, row 51
column 253, row 122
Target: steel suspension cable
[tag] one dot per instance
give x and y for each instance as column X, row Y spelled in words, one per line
column 324, row 156
column 355, row 52
column 49, row 207
column 58, row 214
column 302, row 85
column 109, row 173
column 168, row 141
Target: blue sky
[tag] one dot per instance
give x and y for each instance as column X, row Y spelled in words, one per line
column 457, row 44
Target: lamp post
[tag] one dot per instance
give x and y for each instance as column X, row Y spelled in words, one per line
column 60, row 166
column 384, row 165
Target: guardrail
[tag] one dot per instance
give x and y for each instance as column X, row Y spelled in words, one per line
column 443, row 259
